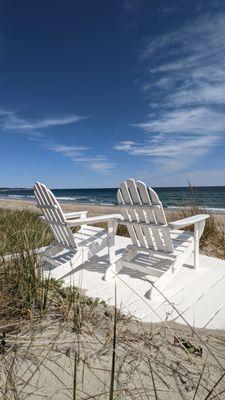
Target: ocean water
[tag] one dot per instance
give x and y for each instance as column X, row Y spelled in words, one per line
column 212, row 197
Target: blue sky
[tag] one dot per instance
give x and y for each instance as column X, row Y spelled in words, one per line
column 92, row 93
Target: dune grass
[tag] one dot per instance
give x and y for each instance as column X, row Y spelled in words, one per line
column 23, row 289
column 123, row 358
column 22, row 230
column 212, row 242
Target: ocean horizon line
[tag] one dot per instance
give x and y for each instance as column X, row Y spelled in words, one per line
column 111, row 187
column 207, row 197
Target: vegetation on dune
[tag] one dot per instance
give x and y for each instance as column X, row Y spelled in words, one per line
column 124, row 358
column 23, row 289
column 212, row 242
column 22, row 230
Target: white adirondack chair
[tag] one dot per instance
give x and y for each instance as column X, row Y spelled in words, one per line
column 70, row 250
column 158, row 249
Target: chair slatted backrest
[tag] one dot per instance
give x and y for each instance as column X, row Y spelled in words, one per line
column 144, row 216
column 53, row 215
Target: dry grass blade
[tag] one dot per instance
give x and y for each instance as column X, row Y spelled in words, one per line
column 199, row 381
column 153, row 381
column 113, row 365
column 214, row 387
column 75, row 377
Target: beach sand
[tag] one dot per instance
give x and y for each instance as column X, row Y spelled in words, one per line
column 31, row 205
column 92, row 209
column 40, row 360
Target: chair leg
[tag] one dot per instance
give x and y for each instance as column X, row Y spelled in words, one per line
column 112, row 270
column 111, row 241
column 198, row 231
column 196, row 255
column 196, row 245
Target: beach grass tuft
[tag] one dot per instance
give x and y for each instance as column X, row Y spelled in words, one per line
column 86, row 348
column 212, row 242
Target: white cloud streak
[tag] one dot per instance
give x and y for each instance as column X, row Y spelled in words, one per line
column 193, row 146
column 197, row 121
column 185, row 87
column 80, row 154
column 10, row 121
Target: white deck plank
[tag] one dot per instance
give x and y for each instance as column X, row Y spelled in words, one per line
column 188, row 290
column 204, row 309
column 157, row 309
column 198, row 294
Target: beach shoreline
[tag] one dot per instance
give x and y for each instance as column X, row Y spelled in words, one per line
column 92, row 209
column 30, row 205
column 207, row 199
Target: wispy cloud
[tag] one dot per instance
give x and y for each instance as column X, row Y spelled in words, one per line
column 191, row 146
column 75, row 153
column 101, row 165
column 189, row 121
column 184, row 84
column 81, row 154
column 11, row 121
column 170, row 155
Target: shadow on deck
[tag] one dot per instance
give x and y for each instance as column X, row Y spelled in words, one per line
column 196, row 297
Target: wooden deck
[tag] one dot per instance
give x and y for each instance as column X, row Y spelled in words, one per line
column 193, row 296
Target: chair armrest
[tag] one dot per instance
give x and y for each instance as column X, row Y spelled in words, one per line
column 94, row 220
column 74, row 214
column 182, row 223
